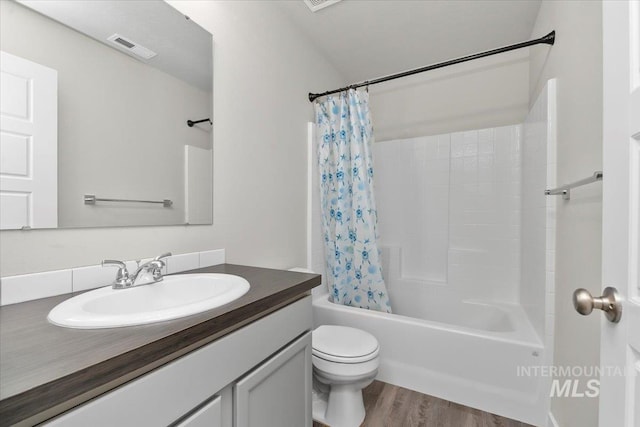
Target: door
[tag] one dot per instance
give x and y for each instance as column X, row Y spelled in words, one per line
column 278, row 392
column 620, row 342
column 28, row 144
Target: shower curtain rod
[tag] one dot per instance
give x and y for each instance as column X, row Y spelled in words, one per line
column 548, row 39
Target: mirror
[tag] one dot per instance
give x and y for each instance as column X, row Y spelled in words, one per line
column 96, row 96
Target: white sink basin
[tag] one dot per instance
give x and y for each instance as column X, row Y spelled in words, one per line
column 174, row 297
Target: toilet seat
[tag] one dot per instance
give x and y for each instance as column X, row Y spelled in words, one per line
column 342, row 359
column 342, row 344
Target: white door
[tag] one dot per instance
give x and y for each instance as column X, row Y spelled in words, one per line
column 620, row 342
column 28, row 144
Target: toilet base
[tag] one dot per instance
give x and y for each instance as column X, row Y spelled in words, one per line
column 342, row 406
column 319, row 406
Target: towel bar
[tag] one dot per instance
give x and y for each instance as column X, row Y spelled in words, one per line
column 91, row 199
column 565, row 190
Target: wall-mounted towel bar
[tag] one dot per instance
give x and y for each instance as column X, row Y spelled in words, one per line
column 91, row 199
column 565, row 190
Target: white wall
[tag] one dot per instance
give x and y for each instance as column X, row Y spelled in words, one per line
column 118, row 135
column 263, row 69
column 488, row 92
column 576, row 61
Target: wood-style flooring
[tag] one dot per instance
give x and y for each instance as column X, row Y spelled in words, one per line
column 392, row 406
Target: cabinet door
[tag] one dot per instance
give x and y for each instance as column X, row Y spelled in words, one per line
column 278, row 392
column 209, row 414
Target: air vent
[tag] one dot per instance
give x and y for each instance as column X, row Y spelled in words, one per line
column 131, row 46
column 316, row 5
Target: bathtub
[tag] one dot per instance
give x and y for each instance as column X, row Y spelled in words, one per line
column 468, row 352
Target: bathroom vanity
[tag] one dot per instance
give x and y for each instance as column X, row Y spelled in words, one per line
column 245, row 363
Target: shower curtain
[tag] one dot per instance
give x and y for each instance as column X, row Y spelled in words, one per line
column 349, row 217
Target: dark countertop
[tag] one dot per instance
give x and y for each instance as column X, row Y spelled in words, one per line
column 45, row 367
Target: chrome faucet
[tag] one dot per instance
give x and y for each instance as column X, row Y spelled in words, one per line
column 145, row 274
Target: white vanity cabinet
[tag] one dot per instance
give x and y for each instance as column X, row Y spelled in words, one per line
column 278, row 392
column 258, row 375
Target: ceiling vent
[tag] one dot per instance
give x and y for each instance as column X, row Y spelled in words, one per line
column 131, row 46
column 316, row 5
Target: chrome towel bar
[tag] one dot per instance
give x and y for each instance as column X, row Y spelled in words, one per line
column 91, row 199
column 565, row 190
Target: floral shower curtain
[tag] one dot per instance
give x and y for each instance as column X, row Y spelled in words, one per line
column 349, row 216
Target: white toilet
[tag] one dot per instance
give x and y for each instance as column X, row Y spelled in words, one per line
column 345, row 360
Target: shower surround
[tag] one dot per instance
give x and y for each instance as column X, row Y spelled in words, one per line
column 467, row 240
column 451, row 204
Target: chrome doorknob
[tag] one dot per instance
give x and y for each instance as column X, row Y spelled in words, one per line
column 609, row 302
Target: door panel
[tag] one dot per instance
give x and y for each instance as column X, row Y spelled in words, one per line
column 15, row 155
column 15, row 209
column 15, row 101
column 28, row 144
column 620, row 343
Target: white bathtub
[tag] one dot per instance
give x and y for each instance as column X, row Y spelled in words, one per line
column 463, row 351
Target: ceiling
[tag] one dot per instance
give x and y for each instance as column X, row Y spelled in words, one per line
column 365, row 39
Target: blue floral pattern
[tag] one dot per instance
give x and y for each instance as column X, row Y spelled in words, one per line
column 349, row 216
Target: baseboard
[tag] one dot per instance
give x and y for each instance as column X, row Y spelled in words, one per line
column 552, row 421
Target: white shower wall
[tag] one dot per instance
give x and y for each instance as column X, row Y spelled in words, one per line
column 537, row 280
column 451, row 203
column 412, row 198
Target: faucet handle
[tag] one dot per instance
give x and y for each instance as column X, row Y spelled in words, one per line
column 165, row 255
column 122, row 276
column 157, row 261
column 114, row 262
column 157, row 264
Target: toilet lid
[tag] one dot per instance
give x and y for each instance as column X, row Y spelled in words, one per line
column 344, row 344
